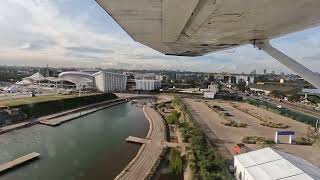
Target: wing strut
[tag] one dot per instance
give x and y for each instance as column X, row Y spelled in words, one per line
column 290, row 63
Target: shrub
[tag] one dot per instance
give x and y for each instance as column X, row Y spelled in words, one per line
column 256, row 140
column 234, row 124
column 205, row 162
column 173, row 118
column 274, row 125
column 176, row 165
column 303, row 141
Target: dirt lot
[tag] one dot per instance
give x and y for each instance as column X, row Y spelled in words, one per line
column 229, row 136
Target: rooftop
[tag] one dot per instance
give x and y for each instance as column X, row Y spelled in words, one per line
column 269, row 163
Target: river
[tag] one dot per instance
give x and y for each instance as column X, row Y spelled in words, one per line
column 90, row 147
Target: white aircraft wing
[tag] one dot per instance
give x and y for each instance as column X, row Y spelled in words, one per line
column 198, row 27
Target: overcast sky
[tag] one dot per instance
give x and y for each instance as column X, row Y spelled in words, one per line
column 78, row 33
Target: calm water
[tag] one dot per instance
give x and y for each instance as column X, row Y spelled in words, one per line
column 90, row 147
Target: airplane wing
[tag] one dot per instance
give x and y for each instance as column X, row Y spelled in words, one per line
column 198, row 27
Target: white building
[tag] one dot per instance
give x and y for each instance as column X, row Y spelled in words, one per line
column 244, row 78
column 270, row 164
column 147, row 85
column 81, row 79
column 211, row 91
column 110, row 82
column 209, row 95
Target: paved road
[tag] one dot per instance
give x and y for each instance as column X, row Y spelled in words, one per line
column 143, row 165
column 291, row 106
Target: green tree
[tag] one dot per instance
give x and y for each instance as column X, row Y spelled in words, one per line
column 278, row 94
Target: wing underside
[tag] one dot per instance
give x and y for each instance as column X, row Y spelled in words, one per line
column 198, row 27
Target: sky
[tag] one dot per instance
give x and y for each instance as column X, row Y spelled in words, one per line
column 79, row 33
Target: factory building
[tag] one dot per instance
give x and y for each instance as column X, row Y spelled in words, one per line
column 110, row 82
column 271, row 164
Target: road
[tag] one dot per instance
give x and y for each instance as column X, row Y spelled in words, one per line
column 298, row 108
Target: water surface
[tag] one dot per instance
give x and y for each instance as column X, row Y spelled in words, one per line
column 90, row 147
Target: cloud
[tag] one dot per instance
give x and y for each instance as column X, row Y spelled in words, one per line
column 79, row 33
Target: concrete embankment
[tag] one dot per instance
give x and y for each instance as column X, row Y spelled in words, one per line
column 59, row 118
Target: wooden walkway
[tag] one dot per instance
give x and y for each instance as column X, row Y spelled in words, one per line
column 138, row 140
column 19, row 161
column 149, row 155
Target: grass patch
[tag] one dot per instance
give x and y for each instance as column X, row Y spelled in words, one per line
column 37, row 99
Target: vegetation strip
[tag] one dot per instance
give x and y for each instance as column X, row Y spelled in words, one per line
column 204, row 160
column 264, row 122
column 285, row 112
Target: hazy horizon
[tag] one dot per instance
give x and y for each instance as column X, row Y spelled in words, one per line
column 66, row 33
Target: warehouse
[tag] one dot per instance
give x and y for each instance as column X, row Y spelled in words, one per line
column 272, row 164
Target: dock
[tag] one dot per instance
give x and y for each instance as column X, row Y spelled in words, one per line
column 11, row 164
column 60, row 118
column 137, row 140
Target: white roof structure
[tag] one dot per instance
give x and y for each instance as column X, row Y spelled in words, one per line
column 75, row 73
column 35, row 77
column 272, row 164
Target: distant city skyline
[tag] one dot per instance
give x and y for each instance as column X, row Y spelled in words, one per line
column 66, row 33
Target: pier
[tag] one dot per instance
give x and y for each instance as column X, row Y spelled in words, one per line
column 59, row 118
column 137, row 140
column 21, row 160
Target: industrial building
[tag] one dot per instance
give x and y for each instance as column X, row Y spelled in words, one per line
column 147, row 84
column 110, row 82
column 270, row 164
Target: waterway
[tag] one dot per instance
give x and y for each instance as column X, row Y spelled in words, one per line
column 90, row 147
